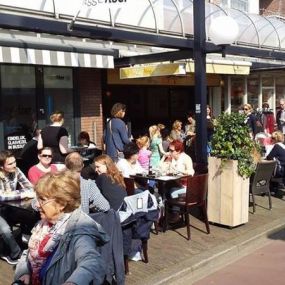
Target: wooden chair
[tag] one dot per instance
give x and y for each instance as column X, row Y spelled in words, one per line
column 196, row 193
column 260, row 180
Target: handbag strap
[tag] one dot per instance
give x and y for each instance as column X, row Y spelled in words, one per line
column 110, row 126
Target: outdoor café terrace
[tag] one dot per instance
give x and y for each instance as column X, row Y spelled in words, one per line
column 174, row 260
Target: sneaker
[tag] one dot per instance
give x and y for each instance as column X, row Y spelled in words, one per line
column 25, row 238
column 9, row 260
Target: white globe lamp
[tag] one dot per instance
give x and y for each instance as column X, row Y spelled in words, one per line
column 223, row 30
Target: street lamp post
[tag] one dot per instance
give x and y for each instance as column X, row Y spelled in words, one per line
column 223, row 31
column 200, row 80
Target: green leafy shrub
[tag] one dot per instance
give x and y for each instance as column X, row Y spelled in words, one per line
column 231, row 140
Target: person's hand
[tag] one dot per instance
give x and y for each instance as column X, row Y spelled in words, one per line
column 25, row 278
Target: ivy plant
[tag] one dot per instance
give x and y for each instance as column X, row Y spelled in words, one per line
column 231, row 140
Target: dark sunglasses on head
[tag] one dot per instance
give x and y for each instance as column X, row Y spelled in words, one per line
column 46, row 155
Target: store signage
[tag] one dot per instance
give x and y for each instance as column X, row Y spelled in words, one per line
column 16, row 142
column 103, row 2
column 153, row 70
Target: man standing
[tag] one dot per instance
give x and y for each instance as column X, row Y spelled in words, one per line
column 280, row 116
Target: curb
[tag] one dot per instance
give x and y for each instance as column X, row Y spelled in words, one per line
column 205, row 263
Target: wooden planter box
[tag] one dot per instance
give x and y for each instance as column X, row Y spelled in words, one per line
column 228, row 194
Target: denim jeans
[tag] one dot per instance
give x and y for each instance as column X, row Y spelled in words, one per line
column 6, row 233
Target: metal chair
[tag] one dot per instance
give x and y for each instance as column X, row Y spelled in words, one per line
column 260, row 181
column 196, row 194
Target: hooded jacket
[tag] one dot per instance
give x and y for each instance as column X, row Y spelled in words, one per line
column 76, row 258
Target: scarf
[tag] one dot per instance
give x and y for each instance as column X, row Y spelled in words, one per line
column 45, row 238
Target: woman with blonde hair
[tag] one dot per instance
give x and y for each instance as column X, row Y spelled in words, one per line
column 278, row 152
column 250, row 119
column 63, row 248
column 55, row 136
column 176, row 132
column 110, row 181
column 156, row 147
column 144, row 153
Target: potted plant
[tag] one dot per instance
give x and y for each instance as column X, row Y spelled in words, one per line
column 233, row 159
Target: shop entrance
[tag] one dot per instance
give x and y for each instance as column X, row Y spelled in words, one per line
column 147, row 105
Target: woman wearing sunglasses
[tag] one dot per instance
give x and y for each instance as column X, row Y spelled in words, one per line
column 250, row 119
column 44, row 166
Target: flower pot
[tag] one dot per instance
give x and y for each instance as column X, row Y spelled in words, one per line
column 228, row 193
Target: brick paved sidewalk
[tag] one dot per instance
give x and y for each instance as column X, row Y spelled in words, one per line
column 173, row 259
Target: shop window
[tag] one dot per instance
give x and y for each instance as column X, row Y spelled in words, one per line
column 17, row 106
column 237, row 93
column 235, row 4
column 58, row 92
column 253, row 91
column 280, row 89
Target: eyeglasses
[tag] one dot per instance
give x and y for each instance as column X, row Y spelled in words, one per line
column 46, row 155
column 43, row 202
column 171, row 150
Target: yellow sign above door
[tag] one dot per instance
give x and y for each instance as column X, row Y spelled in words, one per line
column 153, row 70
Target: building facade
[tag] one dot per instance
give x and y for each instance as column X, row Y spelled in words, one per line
column 55, row 67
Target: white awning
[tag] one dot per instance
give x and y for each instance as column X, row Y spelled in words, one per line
column 54, row 58
column 31, row 48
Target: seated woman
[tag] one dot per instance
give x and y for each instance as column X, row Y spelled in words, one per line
column 84, row 141
column 110, row 181
column 63, row 245
column 178, row 162
column 10, row 177
column 130, row 164
column 44, row 166
column 278, row 153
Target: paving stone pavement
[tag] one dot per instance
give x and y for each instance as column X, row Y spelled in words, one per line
column 175, row 260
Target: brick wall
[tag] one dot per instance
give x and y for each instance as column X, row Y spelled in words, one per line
column 90, row 91
column 269, row 7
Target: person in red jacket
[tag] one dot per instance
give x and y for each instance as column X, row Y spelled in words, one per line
column 44, row 166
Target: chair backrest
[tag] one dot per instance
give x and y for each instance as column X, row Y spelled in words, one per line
column 200, row 168
column 197, row 187
column 261, row 178
column 130, row 185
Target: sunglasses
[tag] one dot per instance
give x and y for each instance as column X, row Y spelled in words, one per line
column 46, row 155
column 245, row 109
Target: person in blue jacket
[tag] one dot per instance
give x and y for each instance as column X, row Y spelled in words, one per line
column 116, row 133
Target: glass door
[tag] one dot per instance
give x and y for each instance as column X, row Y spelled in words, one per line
column 58, row 94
